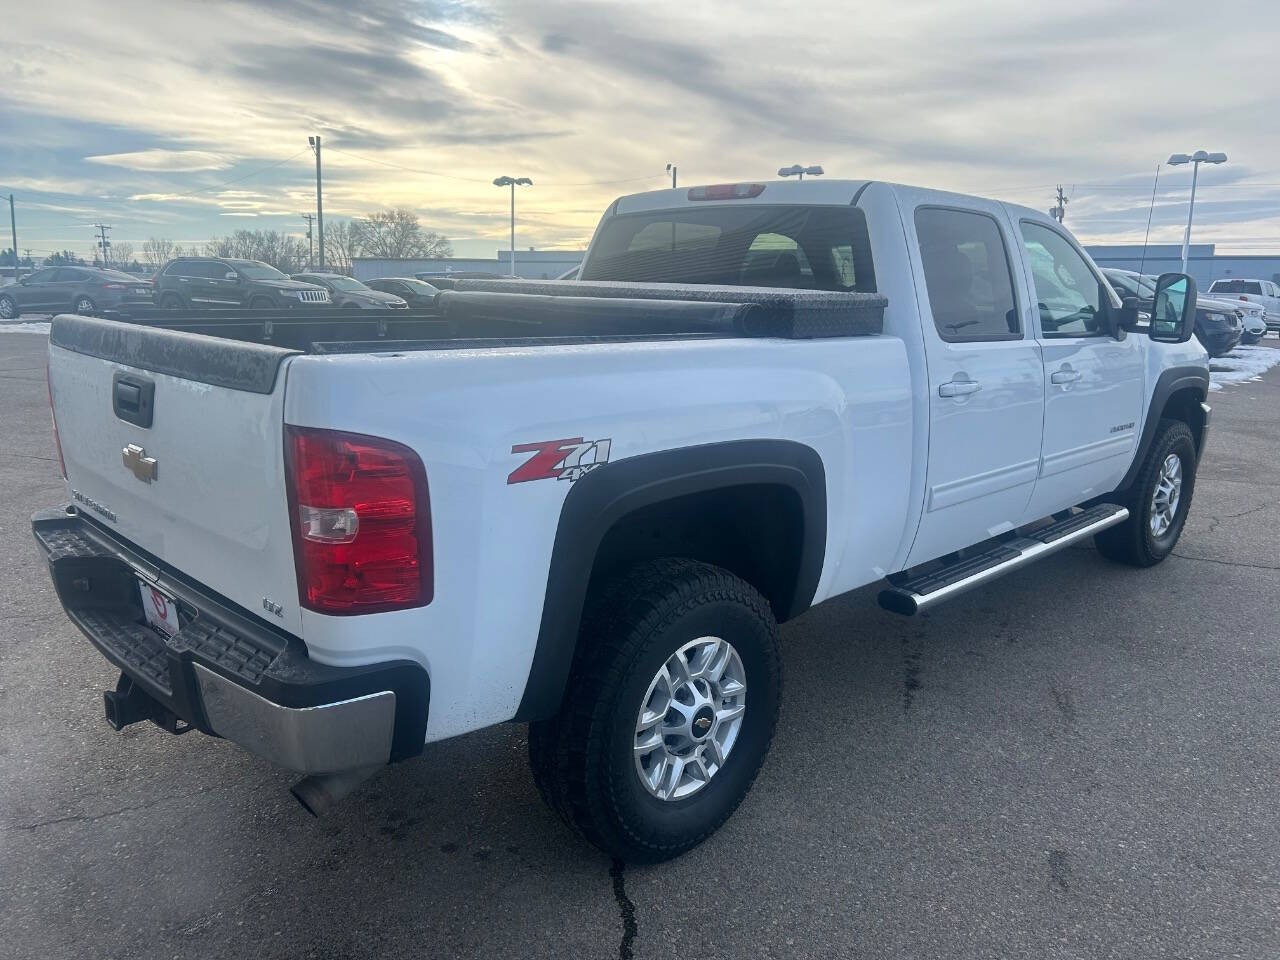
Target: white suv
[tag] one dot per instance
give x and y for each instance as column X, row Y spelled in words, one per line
column 1262, row 292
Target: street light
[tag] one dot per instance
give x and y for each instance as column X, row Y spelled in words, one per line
column 671, row 169
column 1195, row 159
column 513, row 182
column 795, row 170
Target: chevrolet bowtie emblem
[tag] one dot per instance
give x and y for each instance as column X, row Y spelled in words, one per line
column 136, row 460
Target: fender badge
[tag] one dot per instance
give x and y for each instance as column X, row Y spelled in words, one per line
column 559, row 459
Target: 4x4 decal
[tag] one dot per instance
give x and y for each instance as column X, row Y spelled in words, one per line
column 559, row 459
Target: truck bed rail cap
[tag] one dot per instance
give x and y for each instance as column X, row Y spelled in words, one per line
column 251, row 367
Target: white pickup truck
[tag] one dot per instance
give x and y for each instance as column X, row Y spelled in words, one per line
column 588, row 505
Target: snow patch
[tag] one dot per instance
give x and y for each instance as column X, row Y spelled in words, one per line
column 24, row 326
column 1241, row 365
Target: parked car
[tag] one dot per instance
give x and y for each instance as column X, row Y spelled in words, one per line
column 350, row 294
column 1218, row 326
column 85, row 290
column 445, row 281
column 416, row 293
column 630, row 485
column 1262, row 292
column 188, row 283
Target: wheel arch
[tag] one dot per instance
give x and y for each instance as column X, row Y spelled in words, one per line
column 1179, row 395
column 602, row 511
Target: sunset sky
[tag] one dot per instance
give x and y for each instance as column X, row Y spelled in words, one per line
column 186, row 120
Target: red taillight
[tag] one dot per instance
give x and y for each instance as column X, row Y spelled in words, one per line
column 114, row 286
column 727, row 191
column 361, row 522
column 57, row 442
column 1245, row 299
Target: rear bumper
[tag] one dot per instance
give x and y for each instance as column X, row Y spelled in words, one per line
column 226, row 672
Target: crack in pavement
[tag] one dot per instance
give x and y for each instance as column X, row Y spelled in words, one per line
column 93, row 818
column 1226, row 563
column 626, row 909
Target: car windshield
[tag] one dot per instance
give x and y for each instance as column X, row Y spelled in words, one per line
column 349, row 284
column 1133, row 284
column 801, row 247
column 256, row 270
column 420, row 287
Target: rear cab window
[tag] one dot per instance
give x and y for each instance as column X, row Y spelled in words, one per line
column 796, row 247
column 1236, row 286
column 968, row 275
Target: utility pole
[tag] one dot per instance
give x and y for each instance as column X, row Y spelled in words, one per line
column 104, row 242
column 513, row 182
column 1059, row 212
column 671, row 169
column 13, row 225
column 308, row 217
column 315, row 146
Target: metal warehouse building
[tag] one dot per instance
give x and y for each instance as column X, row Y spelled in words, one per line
column 1202, row 262
column 530, row 264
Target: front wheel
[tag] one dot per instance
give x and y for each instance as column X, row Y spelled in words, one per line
column 8, row 308
column 1158, row 501
column 669, row 711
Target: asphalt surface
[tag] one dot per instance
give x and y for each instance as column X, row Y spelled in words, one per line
column 1078, row 761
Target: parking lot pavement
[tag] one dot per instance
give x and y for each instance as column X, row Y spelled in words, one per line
column 1080, row 760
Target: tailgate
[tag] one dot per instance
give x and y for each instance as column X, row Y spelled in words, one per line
column 209, row 413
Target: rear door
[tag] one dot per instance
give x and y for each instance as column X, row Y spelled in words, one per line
column 1094, row 384
column 986, row 389
column 216, row 507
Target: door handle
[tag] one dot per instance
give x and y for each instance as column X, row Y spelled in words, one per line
column 958, row 388
column 1065, row 375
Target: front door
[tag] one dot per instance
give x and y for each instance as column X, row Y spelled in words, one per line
column 1094, row 384
column 37, row 293
column 986, row 379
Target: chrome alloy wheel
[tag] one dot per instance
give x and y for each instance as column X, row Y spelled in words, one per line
column 1164, row 501
column 690, row 718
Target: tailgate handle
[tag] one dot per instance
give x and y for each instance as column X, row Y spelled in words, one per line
column 132, row 399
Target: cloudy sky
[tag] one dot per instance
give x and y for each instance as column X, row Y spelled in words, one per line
column 186, row 120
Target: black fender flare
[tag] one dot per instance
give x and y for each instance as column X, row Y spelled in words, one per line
column 1170, row 382
column 607, row 494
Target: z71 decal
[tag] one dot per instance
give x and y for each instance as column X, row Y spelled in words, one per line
column 559, row 459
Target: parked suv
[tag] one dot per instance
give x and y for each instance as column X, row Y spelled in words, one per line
column 212, row 282
column 351, row 294
column 1262, row 292
column 84, row 290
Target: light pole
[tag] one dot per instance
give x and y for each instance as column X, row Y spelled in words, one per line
column 513, row 182
column 671, row 169
column 1195, row 159
column 795, row 170
column 315, row 147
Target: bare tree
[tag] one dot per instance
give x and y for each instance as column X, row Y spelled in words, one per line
column 283, row 251
column 341, row 245
column 121, row 253
column 157, row 251
column 398, row 234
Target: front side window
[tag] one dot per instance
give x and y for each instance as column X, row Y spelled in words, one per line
column 1069, row 295
column 41, row 276
column 799, row 247
column 967, row 273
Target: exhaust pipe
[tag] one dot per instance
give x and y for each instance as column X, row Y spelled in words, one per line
column 321, row 791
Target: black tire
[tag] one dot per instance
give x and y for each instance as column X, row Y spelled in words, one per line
column 583, row 761
column 171, row 301
column 1133, row 541
column 8, row 308
column 262, row 303
column 85, row 307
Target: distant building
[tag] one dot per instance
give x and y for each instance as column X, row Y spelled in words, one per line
column 530, row 264
column 1203, row 262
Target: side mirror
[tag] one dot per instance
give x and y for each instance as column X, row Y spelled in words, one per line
column 24, row 280
column 232, row 275
column 1173, row 310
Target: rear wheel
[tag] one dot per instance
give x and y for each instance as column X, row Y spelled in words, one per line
column 8, row 308
column 669, row 711
column 171, row 301
column 85, row 307
column 1158, row 501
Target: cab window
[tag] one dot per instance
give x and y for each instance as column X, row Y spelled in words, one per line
column 967, row 274
column 1069, row 295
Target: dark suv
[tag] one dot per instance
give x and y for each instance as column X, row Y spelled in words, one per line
column 212, row 282
column 86, row 290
